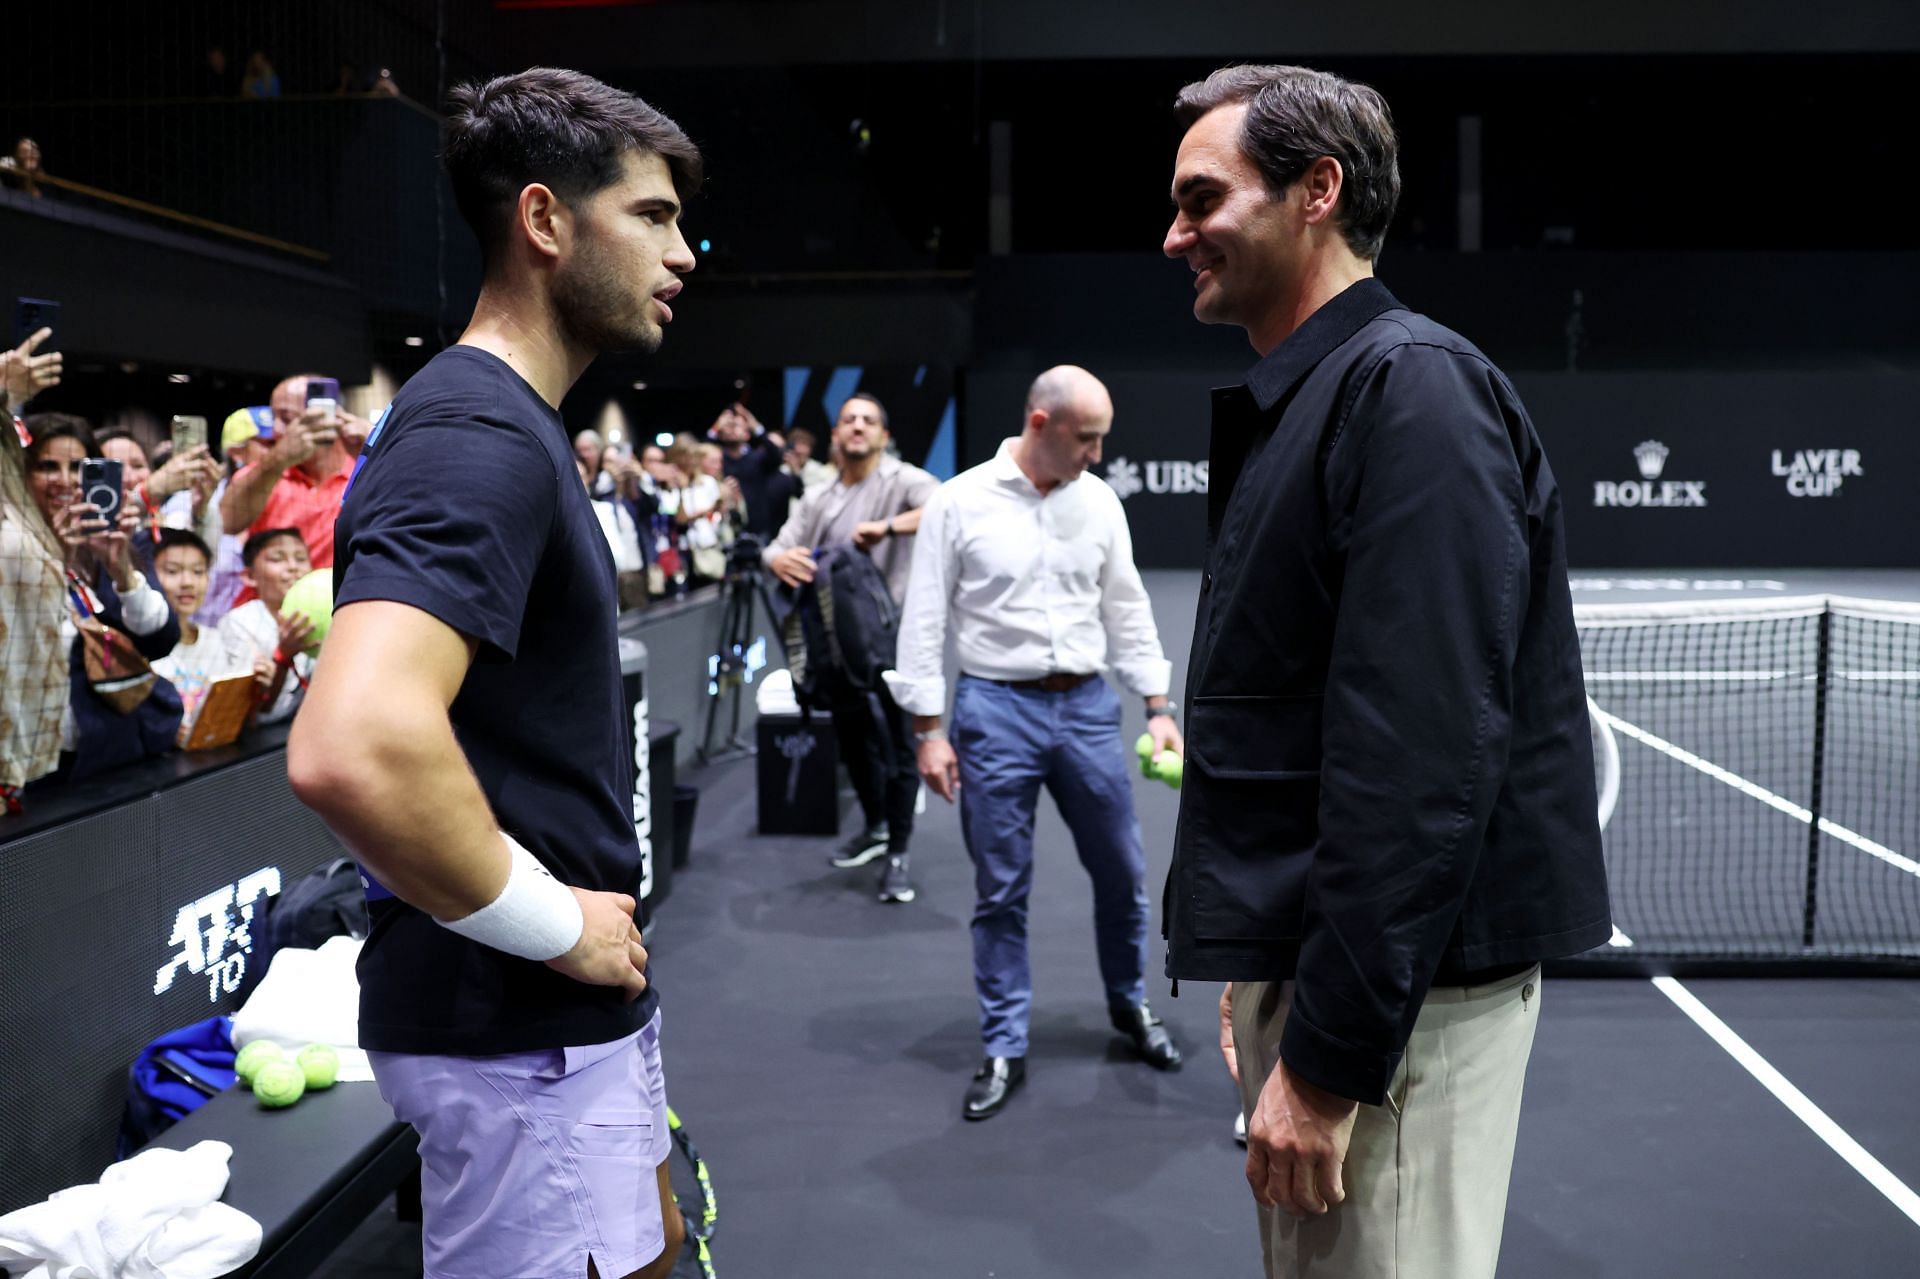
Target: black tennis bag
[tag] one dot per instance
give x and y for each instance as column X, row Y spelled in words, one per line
column 842, row 629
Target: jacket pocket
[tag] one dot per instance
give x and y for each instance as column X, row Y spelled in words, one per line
column 1250, row 814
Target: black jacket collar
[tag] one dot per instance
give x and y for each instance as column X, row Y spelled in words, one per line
column 1324, row 330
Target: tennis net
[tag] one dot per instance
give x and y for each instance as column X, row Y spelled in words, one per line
column 1758, row 768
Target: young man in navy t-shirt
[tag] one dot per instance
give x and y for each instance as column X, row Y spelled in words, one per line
column 465, row 736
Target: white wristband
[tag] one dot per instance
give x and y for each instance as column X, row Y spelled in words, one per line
column 535, row 916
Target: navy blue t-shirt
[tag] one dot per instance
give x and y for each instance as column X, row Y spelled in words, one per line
column 466, row 505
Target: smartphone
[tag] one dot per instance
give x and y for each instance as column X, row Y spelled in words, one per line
column 30, row 316
column 189, row 432
column 323, row 393
column 100, row 480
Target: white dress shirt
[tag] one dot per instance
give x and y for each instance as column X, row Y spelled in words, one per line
column 1033, row 585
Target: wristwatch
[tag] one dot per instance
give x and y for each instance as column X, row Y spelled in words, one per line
column 923, row 736
column 1166, row 710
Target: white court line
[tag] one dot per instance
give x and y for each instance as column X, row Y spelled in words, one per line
column 1793, row 1099
column 1762, row 794
column 1683, row 677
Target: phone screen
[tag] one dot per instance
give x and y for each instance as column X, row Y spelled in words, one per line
column 100, row 479
column 33, row 314
column 323, row 393
column 189, row 432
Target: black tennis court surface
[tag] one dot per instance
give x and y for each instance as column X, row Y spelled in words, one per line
column 817, row 1044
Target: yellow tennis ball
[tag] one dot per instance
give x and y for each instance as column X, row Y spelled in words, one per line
column 312, row 598
column 321, row 1065
column 279, row 1083
column 1168, row 767
column 255, row 1055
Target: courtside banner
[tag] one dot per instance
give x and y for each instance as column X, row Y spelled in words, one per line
column 1733, row 470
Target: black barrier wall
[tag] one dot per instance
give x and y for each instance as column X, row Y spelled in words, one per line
column 121, row 926
column 1701, row 469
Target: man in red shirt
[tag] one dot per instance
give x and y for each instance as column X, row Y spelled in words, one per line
column 301, row 480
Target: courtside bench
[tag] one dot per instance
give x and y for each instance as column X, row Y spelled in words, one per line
column 309, row 1173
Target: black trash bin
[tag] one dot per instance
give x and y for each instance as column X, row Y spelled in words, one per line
column 686, row 801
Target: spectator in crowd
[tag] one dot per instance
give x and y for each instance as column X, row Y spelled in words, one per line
column 875, row 506
column 176, row 494
column 24, row 374
column 300, row 481
column 118, row 710
column 256, row 637
column 21, row 167
column 260, row 80
column 752, row 459
column 181, row 563
column 246, row 438
column 33, row 658
column 591, row 448
column 347, row 81
column 216, row 74
column 801, row 462
column 704, row 503
column 623, row 539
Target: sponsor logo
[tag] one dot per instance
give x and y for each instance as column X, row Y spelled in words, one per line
column 643, row 795
column 214, row 935
column 1650, row 456
column 1127, row 478
column 1816, row 472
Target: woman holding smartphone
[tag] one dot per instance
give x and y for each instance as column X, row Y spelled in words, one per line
column 116, row 620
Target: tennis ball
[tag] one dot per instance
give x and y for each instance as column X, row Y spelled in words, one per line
column 255, row 1055
column 1144, row 748
column 1168, row 767
column 279, row 1083
column 321, row 1065
column 312, row 598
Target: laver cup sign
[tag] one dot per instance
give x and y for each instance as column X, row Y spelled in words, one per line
column 1716, row 470
column 1651, row 489
column 1816, row 472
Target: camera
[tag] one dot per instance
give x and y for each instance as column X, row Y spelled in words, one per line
column 744, row 554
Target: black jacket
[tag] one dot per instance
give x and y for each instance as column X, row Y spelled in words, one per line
column 1390, row 771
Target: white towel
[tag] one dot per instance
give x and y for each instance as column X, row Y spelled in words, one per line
column 309, row 997
column 154, row 1216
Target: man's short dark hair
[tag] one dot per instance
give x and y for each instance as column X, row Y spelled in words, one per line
column 171, row 537
column 1295, row 115
column 266, row 537
column 560, row 128
column 871, row 399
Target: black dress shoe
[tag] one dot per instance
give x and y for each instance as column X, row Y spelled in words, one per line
column 992, row 1084
column 1149, row 1036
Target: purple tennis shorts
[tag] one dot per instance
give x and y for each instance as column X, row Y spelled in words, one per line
column 533, row 1162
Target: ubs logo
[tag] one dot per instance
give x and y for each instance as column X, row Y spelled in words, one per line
column 215, row 934
column 1125, row 478
column 1650, row 456
column 1817, row 472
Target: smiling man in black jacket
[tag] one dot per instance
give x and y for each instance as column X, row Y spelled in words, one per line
column 1388, row 818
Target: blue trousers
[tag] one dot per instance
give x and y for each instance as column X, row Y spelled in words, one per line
column 1010, row 742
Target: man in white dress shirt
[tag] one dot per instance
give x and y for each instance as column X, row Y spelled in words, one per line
column 1032, row 566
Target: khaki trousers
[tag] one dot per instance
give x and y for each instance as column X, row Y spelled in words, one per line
column 1426, row 1175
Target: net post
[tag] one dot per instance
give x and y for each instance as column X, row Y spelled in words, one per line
column 1823, row 652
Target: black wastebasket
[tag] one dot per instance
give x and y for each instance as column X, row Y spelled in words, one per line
column 686, row 801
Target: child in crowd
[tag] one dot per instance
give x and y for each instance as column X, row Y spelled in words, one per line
column 256, row 637
column 181, row 560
